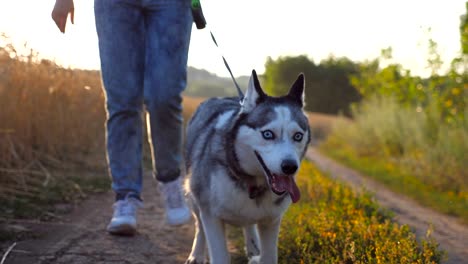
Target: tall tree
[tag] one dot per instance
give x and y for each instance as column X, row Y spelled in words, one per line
column 328, row 89
column 280, row 73
column 464, row 31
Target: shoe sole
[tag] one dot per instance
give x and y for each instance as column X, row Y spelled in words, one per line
column 122, row 230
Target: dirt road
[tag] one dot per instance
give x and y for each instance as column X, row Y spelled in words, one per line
column 449, row 233
column 80, row 237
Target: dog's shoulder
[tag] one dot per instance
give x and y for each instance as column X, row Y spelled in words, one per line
column 209, row 112
column 208, row 126
column 215, row 106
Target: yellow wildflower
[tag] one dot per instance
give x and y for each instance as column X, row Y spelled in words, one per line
column 448, row 103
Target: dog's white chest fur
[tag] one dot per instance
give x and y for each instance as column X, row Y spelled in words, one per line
column 234, row 205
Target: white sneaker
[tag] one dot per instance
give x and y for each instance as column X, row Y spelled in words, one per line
column 177, row 211
column 123, row 221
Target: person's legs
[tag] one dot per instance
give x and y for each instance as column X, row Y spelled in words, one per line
column 120, row 28
column 168, row 26
column 121, row 34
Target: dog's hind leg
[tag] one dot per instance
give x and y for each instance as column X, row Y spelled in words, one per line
column 216, row 238
column 197, row 256
column 252, row 245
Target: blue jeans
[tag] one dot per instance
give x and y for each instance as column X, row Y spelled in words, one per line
column 143, row 47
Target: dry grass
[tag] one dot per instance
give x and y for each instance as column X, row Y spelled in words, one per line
column 322, row 125
column 190, row 104
column 50, row 116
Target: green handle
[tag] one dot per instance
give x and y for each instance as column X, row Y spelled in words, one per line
column 196, row 4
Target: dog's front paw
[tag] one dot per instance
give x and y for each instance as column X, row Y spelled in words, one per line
column 254, row 260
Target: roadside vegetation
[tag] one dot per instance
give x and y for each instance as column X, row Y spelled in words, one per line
column 333, row 224
column 413, row 152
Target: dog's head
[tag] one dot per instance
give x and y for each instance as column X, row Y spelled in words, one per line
column 273, row 137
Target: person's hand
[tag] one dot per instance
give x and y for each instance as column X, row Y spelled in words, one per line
column 60, row 13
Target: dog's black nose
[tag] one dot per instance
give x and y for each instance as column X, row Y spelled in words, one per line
column 289, row 166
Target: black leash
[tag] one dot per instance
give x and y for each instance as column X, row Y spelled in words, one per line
column 239, row 91
column 200, row 22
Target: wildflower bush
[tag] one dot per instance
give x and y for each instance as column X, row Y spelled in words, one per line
column 332, row 224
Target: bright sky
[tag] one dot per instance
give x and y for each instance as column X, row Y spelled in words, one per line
column 249, row 31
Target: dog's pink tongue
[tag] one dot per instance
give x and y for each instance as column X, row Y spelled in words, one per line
column 288, row 184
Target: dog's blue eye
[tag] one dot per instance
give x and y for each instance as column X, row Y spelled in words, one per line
column 268, row 135
column 298, row 136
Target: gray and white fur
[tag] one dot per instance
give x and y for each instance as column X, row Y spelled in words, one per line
column 242, row 159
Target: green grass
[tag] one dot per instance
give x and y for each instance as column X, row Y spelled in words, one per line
column 400, row 181
column 333, row 224
column 412, row 151
column 69, row 188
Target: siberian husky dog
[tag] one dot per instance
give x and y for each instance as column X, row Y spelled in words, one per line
column 243, row 158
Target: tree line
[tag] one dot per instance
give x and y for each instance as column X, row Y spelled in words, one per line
column 334, row 84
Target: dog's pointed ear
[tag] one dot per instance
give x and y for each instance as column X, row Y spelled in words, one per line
column 254, row 94
column 297, row 90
